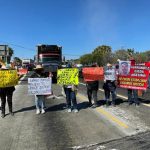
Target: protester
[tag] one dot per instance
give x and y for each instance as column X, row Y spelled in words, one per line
column 70, row 91
column 110, row 84
column 6, row 93
column 39, row 99
column 92, row 88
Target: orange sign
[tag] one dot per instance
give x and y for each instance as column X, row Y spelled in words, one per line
column 22, row 71
column 93, row 73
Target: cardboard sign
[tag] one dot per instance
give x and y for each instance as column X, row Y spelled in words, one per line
column 8, row 78
column 93, row 73
column 110, row 74
column 39, row 86
column 22, row 71
column 137, row 79
column 68, row 76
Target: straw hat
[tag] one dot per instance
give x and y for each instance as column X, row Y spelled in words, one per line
column 109, row 65
column 38, row 67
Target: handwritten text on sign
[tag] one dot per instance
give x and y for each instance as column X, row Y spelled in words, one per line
column 68, row 76
column 8, row 78
column 93, row 73
column 39, row 86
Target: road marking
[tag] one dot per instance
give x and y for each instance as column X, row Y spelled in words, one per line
column 103, row 91
column 105, row 113
column 111, row 117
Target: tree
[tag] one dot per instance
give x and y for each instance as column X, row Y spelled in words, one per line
column 102, row 55
column 86, row 59
column 17, row 61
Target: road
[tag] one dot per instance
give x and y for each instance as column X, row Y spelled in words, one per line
column 120, row 127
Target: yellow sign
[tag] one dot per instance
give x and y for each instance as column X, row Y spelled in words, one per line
column 68, row 76
column 8, row 78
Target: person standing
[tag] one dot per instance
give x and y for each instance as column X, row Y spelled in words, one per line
column 6, row 93
column 92, row 88
column 70, row 92
column 39, row 99
column 110, row 77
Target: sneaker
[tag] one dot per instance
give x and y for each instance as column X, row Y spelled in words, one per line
column 2, row 115
column 11, row 113
column 43, row 111
column 94, row 106
column 69, row 110
column 76, row 110
column 37, row 111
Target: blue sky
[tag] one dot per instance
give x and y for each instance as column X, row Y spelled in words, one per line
column 78, row 26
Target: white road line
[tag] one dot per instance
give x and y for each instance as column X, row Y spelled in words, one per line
column 121, row 96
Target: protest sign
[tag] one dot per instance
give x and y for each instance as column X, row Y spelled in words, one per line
column 22, row 71
column 68, row 76
column 93, row 73
column 110, row 74
column 8, row 78
column 137, row 79
column 39, row 86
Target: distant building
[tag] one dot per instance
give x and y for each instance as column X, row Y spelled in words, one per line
column 5, row 53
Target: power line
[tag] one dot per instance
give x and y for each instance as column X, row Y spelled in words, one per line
column 16, row 45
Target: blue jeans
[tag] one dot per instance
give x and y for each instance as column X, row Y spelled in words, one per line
column 70, row 97
column 39, row 101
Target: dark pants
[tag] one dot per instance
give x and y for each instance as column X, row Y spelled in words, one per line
column 5, row 96
column 70, row 97
column 109, row 87
column 133, row 96
column 90, row 93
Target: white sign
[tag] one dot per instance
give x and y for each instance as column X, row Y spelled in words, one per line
column 110, row 74
column 39, row 86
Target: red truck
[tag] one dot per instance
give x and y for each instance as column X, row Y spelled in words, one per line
column 50, row 57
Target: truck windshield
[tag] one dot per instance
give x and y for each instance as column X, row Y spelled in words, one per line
column 48, row 59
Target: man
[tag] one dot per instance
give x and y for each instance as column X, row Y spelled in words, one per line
column 110, row 84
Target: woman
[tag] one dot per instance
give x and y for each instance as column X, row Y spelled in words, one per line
column 39, row 99
column 6, row 93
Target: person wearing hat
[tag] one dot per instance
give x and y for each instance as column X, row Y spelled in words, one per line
column 6, row 93
column 109, row 86
column 39, row 99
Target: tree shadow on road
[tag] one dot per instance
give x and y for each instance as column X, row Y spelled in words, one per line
column 25, row 109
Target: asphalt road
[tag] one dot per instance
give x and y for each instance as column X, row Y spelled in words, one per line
column 120, row 127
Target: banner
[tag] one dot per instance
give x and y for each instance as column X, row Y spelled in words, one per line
column 8, row 78
column 39, row 86
column 137, row 79
column 68, row 76
column 22, row 71
column 93, row 73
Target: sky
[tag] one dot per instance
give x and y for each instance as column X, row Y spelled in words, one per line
column 79, row 26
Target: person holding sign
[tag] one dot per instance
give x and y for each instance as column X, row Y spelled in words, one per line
column 110, row 84
column 92, row 88
column 6, row 93
column 39, row 99
column 70, row 91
